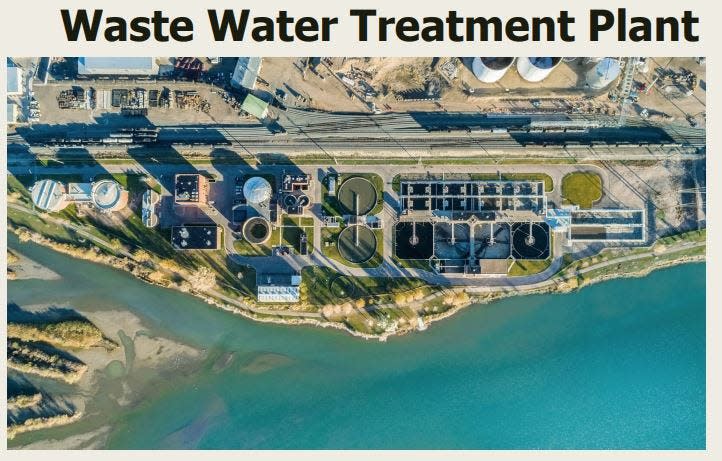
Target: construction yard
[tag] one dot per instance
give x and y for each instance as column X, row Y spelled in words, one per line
column 432, row 84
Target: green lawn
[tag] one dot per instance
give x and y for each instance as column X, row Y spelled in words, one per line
column 291, row 232
column 422, row 264
column 245, row 248
column 528, row 267
column 582, row 188
column 323, row 286
column 330, row 235
column 332, row 207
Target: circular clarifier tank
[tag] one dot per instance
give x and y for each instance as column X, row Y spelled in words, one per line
column 257, row 230
column 108, row 195
column 357, row 244
column 49, row 195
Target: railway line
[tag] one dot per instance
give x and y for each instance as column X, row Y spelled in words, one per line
column 297, row 130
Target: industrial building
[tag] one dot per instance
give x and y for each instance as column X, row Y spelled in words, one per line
column 599, row 225
column 196, row 237
column 461, row 199
column 95, row 66
column 255, row 106
column 246, row 72
column 105, row 195
column 295, row 197
column 191, row 189
column 14, row 81
column 12, row 112
column 278, row 288
column 149, row 213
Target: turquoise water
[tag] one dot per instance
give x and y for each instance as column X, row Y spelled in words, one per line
column 616, row 365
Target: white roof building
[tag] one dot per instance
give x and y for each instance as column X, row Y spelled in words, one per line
column 15, row 81
column 80, row 191
column 117, row 66
column 246, row 72
column 12, row 112
column 279, row 288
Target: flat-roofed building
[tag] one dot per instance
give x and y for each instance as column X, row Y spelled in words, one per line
column 191, row 189
column 149, row 213
column 89, row 66
column 255, row 106
column 13, row 112
column 278, row 288
column 246, row 72
column 14, row 81
column 196, row 237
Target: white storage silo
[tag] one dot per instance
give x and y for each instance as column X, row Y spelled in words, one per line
column 536, row 69
column 49, row 195
column 490, row 70
column 604, row 73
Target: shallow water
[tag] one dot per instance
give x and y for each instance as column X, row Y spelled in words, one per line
column 617, row 365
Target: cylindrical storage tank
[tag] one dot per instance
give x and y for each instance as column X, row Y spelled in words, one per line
column 49, row 195
column 108, row 195
column 604, row 73
column 257, row 190
column 536, row 69
column 490, row 70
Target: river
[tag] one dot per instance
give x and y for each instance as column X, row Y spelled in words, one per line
column 618, row 365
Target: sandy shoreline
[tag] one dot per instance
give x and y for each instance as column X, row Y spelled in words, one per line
column 149, row 352
column 25, row 269
column 560, row 286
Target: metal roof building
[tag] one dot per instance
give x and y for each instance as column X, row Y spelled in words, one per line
column 246, row 72
column 15, row 81
column 117, row 66
column 255, row 106
column 12, row 113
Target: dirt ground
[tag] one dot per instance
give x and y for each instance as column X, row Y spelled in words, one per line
column 398, row 85
column 664, row 186
column 401, row 84
column 220, row 110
